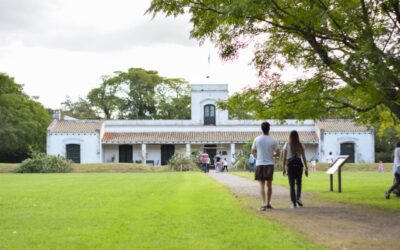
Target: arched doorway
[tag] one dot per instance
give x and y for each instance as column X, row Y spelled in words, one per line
column 348, row 149
column 211, row 150
column 209, row 114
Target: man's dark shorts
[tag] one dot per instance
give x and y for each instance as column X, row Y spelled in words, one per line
column 264, row 173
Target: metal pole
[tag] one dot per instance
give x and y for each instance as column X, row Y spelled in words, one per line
column 331, row 181
column 340, row 180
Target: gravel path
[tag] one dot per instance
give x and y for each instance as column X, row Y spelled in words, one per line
column 336, row 225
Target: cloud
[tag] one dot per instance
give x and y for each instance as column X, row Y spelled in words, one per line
column 112, row 26
column 19, row 15
column 144, row 34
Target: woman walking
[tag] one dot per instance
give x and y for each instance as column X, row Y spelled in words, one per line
column 292, row 151
column 396, row 170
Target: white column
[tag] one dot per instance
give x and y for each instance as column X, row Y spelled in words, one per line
column 232, row 153
column 144, row 153
column 188, row 149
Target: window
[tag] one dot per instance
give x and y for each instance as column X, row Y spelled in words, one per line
column 209, row 114
column 74, row 152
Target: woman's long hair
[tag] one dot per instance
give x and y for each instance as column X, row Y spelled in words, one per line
column 294, row 143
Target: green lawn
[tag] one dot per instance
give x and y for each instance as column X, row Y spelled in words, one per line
column 125, row 211
column 358, row 187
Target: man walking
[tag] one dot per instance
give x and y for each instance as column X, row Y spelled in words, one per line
column 265, row 148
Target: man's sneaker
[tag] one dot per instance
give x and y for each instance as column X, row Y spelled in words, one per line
column 299, row 203
column 387, row 195
column 269, row 206
column 292, row 205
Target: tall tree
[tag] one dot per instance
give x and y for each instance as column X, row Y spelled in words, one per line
column 105, row 99
column 142, row 94
column 351, row 46
column 23, row 122
column 173, row 99
column 138, row 91
column 80, row 109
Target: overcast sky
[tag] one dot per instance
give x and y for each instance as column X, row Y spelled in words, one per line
column 60, row 48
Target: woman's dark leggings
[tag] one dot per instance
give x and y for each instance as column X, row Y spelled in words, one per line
column 294, row 175
column 397, row 184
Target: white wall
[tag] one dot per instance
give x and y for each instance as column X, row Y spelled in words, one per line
column 153, row 152
column 311, row 152
column 110, row 153
column 364, row 145
column 203, row 94
column 89, row 142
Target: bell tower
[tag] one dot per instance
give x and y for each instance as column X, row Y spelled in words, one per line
column 204, row 108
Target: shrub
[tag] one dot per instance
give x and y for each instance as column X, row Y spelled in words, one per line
column 179, row 162
column 42, row 163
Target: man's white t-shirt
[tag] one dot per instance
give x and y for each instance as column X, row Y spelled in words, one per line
column 265, row 146
column 329, row 159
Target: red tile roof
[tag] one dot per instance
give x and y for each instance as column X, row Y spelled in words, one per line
column 341, row 126
column 75, row 126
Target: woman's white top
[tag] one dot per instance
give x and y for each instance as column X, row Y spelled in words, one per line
column 289, row 150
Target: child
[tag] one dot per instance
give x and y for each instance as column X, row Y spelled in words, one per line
column 380, row 167
column 252, row 161
column 219, row 165
column 225, row 165
column 313, row 166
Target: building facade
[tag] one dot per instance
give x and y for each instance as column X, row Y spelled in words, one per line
column 154, row 141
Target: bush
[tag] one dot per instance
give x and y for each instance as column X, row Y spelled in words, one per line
column 179, row 162
column 42, row 163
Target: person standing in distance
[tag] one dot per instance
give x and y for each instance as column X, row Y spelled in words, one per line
column 330, row 159
column 265, row 148
column 396, row 171
column 204, row 159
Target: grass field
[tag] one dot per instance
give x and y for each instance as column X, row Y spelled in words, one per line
column 358, row 187
column 125, row 211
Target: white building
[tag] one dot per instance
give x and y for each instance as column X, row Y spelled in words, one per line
column 155, row 141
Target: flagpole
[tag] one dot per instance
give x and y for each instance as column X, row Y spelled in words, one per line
column 209, row 63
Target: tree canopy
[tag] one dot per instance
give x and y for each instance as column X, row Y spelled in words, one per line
column 134, row 94
column 349, row 47
column 80, row 109
column 23, row 122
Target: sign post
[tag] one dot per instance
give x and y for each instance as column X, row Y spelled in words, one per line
column 337, row 166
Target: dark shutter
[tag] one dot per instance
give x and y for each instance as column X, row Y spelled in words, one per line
column 74, row 152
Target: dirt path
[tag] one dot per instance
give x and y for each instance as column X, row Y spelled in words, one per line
column 335, row 225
